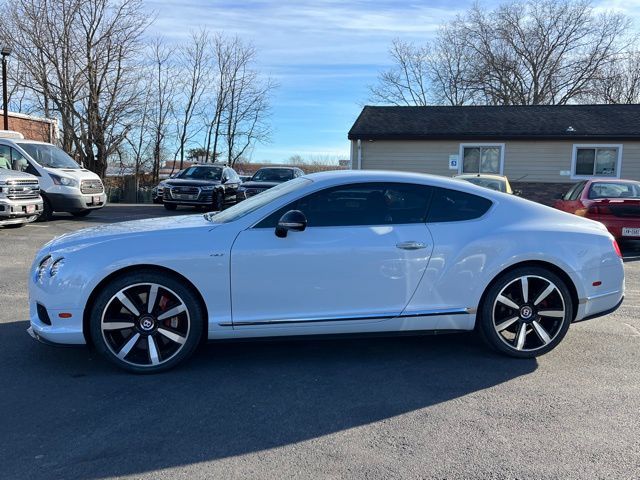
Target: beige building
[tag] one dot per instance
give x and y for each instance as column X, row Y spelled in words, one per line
column 542, row 149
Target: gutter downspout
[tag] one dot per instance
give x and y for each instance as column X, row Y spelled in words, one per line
column 359, row 155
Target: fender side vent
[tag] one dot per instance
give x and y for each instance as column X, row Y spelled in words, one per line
column 43, row 315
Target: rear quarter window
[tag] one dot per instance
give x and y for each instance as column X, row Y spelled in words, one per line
column 455, row 206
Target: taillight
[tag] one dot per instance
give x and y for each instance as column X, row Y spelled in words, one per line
column 581, row 212
column 616, row 247
column 598, row 210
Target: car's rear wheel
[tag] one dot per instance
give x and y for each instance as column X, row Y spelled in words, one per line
column 526, row 312
column 146, row 322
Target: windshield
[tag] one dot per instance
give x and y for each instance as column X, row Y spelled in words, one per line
column 614, row 190
column 251, row 204
column 49, row 155
column 492, row 183
column 201, row 173
column 272, row 175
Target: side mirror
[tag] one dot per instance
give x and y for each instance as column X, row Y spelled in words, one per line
column 293, row 220
column 517, row 193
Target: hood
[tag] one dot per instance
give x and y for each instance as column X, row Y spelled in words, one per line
column 6, row 175
column 76, row 173
column 135, row 228
column 180, row 182
column 252, row 184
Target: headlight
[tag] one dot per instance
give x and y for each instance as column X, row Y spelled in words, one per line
column 44, row 264
column 242, row 189
column 55, row 266
column 64, row 181
column 208, row 188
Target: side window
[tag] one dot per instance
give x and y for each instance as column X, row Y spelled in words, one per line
column 5, row 157
column 360, row 205
column 455, row 206
column 18, row 161
column 574, row 191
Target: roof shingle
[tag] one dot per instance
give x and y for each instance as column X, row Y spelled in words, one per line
column 498, row 122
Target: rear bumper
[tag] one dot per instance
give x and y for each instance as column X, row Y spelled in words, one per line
column 602, row 313
column 616, row 225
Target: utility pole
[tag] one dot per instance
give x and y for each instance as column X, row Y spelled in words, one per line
column 6, row 51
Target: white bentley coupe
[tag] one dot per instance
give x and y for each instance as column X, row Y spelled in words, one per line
column 329, row 253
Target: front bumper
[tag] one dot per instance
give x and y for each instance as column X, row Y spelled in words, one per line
column 61, row 331
column 15, row 211
column 76, row 202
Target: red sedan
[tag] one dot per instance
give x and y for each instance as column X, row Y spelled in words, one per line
column 615, row 203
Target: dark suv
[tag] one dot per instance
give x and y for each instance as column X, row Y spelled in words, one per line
column 210, row 186
column 266, row 178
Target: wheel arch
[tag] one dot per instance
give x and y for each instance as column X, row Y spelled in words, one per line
column 135, row 268
column 542, row 264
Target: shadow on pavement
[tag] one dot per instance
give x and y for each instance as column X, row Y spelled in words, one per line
column 68, row 414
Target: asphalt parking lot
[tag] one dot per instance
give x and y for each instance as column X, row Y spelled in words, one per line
column 423, row 407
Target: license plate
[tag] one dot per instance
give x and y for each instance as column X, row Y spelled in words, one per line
column 630, row 232
column 31, row 209
column 96, row 200
column 181, row 196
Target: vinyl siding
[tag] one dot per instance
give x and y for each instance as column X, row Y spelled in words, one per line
column 529, row 161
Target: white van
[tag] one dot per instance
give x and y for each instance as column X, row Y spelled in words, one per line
column 64, row 185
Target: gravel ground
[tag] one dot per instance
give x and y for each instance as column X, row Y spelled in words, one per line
column 426, row 407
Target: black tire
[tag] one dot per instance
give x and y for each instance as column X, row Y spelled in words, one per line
column 170, row 206
column 541, row 332
column 15, row 225
column 81, row 213
column 47, row 211
column 188, row 327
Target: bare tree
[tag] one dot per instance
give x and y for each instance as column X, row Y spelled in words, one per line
column 194, row 69
column 523, row 53
column 620, row 83
column 407, row 82
column 239, row 101
column 163, row 91
column 79, row 55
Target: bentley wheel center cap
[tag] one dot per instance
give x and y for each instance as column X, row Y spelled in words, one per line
column 526, row 312
column 147, row 323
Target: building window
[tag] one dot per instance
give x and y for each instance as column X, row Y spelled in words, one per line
column 596, row 161
column 482, row 158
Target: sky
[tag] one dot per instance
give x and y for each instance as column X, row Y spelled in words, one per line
column 323, row 54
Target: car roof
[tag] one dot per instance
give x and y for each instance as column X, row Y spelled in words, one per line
column 611, row 180
column 490, row 176
column 278, row 167
column 340, row 177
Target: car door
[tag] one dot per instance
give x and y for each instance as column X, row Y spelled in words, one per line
column 362, row 255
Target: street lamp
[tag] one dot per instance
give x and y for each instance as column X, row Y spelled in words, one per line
column 5, row 52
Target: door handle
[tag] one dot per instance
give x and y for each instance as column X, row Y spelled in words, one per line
column 411, row 245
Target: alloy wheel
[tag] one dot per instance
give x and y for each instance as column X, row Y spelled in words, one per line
column 528, row 313
column 145, row 324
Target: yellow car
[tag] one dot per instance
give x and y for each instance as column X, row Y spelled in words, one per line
column 494, row 182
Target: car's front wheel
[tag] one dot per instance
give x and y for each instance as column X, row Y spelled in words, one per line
column 146, row 322
column 526, row 312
